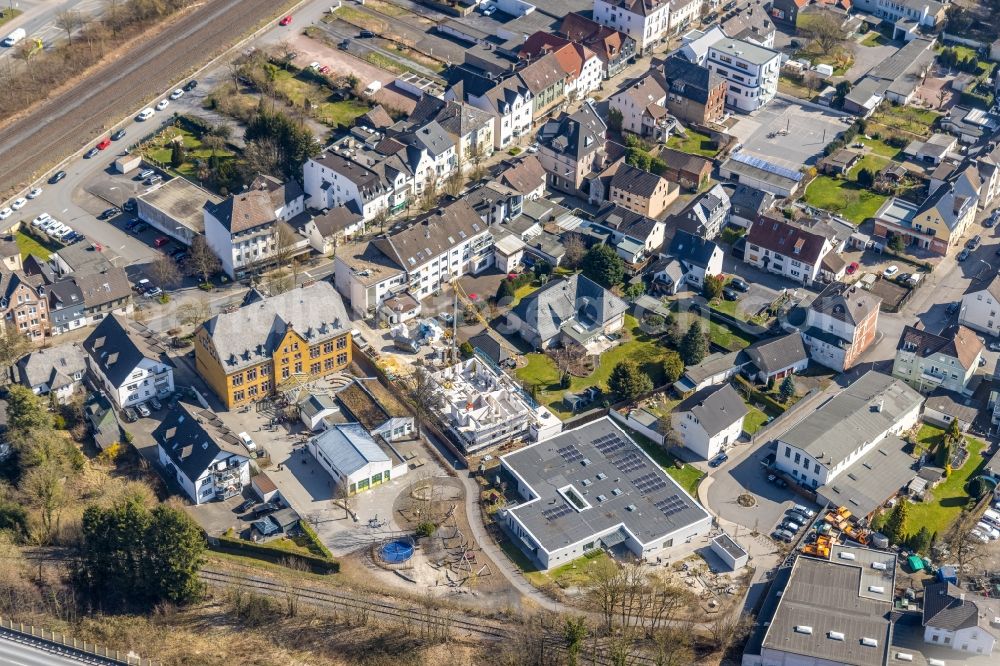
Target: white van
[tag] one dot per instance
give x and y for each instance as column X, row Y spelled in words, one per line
column 14, row 37
column 373, row 88
column 248, row 442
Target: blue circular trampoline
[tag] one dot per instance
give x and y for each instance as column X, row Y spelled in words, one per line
column 397, row 551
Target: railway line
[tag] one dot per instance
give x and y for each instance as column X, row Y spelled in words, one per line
column 66, row 122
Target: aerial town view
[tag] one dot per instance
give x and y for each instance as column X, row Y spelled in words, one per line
column 500, row 332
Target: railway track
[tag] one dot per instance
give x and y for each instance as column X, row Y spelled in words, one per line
column 64, row 123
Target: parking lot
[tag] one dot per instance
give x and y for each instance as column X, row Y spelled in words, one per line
column 789, row 133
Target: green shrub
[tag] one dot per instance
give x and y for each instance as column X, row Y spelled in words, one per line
column 426, row 529
column 314, row 538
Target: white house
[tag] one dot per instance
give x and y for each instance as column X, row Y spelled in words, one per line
column 509, row 101
column 750, row 69
column 645, row 21
column 841, row 325
column 928, row 362
column 960, row 620
column 642, row 104
column 199, row 457
column 787, row 250
column 980, row 309
column 353, row 458
column 709, row 420
column 698, row 257
column 582, row 490
column 130, row 367
column 333, row 180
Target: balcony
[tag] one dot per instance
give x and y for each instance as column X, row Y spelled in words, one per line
column 931, row 378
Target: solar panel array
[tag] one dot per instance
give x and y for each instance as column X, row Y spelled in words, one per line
column 556, row 512
column 629, row 462
column 763, row 164
column 671, row 505
column 570, row 453
column 608, row 443
column 649, row 483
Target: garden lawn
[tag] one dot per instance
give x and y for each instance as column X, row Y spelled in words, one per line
column 843, row 195
column 686, row 476
column 342, row 113
column 907, row 118
column 525, row 290
column 875, row 38
column 29, row 245
column 879, row 147
column 754, row 420
column 541, row 371
column 724, row 336
column 9, row 15
column 950, row 496
column 693, row 144
column 193, row 152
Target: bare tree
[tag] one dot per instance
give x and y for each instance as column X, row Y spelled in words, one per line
column 476, row 156
column 965, row 549
column 70, row 21
column 193, row 312
column 672, row 647
column 827, row 31
column 607, row 589
column 13, row 345
column 202, row 260
column 165, row 272
column 574, row 250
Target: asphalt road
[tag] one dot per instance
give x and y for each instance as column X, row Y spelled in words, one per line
column 67, row 121
column 38, row 18
column 18, row 654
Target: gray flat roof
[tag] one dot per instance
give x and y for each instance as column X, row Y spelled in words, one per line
column 873, row 478
column 744, row 50
column 832, row 596
column 599, row 461
column 727, row 544
column 183, row 201
column 858, row 414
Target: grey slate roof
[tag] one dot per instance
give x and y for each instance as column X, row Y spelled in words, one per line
column 487, row 343
column 775, row 354
column 691, row 249
column 575, row 135
column 545, row 469
column 715, row 407
column 873, row 478
column 858, row 414
column 117, row 346
column 635, row 181
column 248, row 335
column 193, row 437
column 349, row 447
column 54, row 366
column 846, row 303
column 429, row 237
column 83, row 257
column 574, row 299
column 690, row 80
column 949, row 607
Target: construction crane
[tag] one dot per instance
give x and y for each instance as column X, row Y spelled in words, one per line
column 467, row 301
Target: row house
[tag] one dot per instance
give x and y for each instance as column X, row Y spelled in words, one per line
column 640, row 191
column 695, row 94
column 787, row 250
column 628, row 230
column 707, row 214
column 583, row 69
column 509, row 101
column 571, row 147
column 841, row 324
column 470, row 129
column 546, row 80
column 642, row 108
column 645, row 21
column 613, row 48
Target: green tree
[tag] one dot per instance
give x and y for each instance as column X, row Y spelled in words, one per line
column 713, row 286
column 954, row 433
column 627, row 380
column 132, row 557
column 673, row 367
column 896, row 243
column 25, row 411
column 895, row 524
column 574, row 632
column 634, row 291
column 176, row 154
column 505, row 292
column 865, row 178
column 293, row 142
column 543, row 268
column 787, row 388
column 615, row 119
column 603, row 265
column 943, row 454
column 693, row 346
column 466, row 350
column 979, row 487
column 921, row 541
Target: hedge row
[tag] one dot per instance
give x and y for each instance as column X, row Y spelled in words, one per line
column 234, row 546
column 311, row 533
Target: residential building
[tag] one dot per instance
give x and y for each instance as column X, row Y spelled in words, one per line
column 380, row 412
column 625, row 225
column 331, row 228
column 583, row 69
column 709, row 420
column 928, row 362
column 828, row 449
column 571, row 310
column 695, row 93
column 896, row 78
column 645, row 21
column 752, row 23
column 937, row 224
column 750, row 70
column 175, row 209
column 698, row 257
column 355, row 460
column 689, row 171
column 613, row 48
column 839, row 162
column 334, row 180
column 58, row 370
column 707, row 214
column 526, row 177
column 829, row 611
column 640, row 191
column 105, row 293
column 270, row 344
column 571, row 147
column 980, row 307
column 963, row 621
column 546, row 80
column 988, row 164
column 748, row 205
column 786, row 12
column 24, row 304
column 642, row 106
column 445, row 244
column 470, row 129
column 509, row 251
column 841, row 325
column 695, row 44
column 483, row 408
column 128, row 362
column 196, row 451
column 925, row 13
column 683, row 13
column 66, row 307
column 787, row 250
column 772, row 359
column 592, row 487
column 10, row 254
column 508, row 100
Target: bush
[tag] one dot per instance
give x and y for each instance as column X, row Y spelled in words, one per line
column 317, row 545
column 426, row 529
column 205, row 286
column 515, row 151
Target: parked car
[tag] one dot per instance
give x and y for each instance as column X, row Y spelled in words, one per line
column 974, row 242
column 145, row 114
column 37, row 222
column 109, row 213
column 19, row 203
column 990, row 221
column 739, row 284
column 153, row 180
column 143, row 409
column 730, row 294
column 366, row 34
column 490, row 10
column 264, row 509
column 103, row 145
column 190, row 85
column 162, row 104
column 890, row 271
column 804, row 510
column 180, row 257
column 718, row 460
column 177, row 94
column 963, row 255
column 797, row 517
column 130, row 225
column 344, row 44
column 119, row 135
column 90, row 153
column 286, row 21
column 146, row 173
column 245, row 506
column 852, row 268
column 979, row 536
column 129, row 206
column 160, row 241
column 767, row 460
column 56, row 177
column 791, row 526
column 994, row 346
column 35, row 193
column 139, row 228
column 782, row 535
column 953, row 307
column 5, row 213
column 129, row 415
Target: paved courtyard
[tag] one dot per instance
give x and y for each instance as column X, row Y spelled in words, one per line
column 788, row 132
